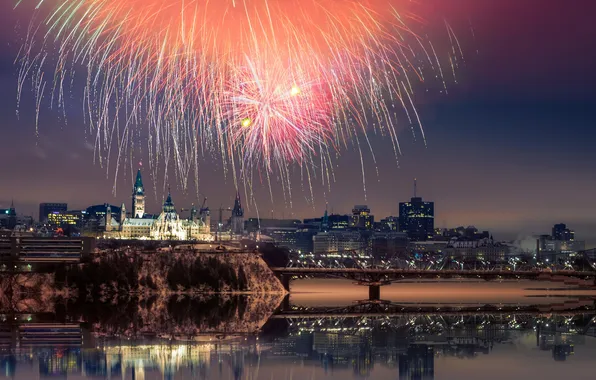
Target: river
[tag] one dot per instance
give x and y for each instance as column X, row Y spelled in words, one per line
column 327, row 330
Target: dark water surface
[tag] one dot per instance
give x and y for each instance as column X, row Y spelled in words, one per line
column 525, row 332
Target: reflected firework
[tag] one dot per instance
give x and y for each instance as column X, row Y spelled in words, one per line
column 260, row 85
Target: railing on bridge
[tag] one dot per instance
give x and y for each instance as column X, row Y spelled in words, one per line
column 28, row 249
column 49, row 334
column 361, row 259
column 29, row 330
column 443, row 321
column 365, row 269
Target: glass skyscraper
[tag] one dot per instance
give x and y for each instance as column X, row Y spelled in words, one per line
column 417, row 219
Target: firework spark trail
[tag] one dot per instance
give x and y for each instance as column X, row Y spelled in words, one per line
column 259, row 84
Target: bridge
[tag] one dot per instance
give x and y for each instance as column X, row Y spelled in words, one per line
column 581, row 272
column 366, row 268
column 445, row 325
column 386, row 309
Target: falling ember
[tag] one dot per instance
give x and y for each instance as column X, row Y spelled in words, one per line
column 262, row 83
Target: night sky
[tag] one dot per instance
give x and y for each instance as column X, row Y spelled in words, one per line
column 510, row 148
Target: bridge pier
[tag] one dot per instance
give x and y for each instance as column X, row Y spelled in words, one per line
column 374, row 292
column 285, row 281
column 285, row 304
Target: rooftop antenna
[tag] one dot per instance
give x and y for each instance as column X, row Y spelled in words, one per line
column 415, row 185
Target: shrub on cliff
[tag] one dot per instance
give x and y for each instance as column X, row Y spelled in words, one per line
column 115, row 268
column 212, row 273
column 274, row 256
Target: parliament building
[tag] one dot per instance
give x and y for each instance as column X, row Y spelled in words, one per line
column 167, row 226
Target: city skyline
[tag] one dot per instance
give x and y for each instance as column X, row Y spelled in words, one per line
column 405, row 208
column 509, row 148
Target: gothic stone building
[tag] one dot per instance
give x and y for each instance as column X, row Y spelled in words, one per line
column 167, row 226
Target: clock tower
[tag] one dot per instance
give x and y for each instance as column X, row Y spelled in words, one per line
column 138, row 197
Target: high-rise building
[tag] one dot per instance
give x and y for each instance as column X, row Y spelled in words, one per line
column 561, row 232
column 46, row 209
column 418, row 363
column 138, row 197
column 237, row 219
column 417, row 218
column 361, row 218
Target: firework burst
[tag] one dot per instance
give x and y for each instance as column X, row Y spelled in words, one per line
column 260, row 84
column 282, row 117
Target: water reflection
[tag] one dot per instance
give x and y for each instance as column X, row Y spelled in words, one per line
column 360, row 340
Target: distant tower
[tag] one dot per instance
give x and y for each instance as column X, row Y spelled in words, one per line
column 205, row 216
column 122, row 213
column 237, row 220
column 193, row 213
column 325, row 221
column 168, row 205
column 138, row 197
column 108, row 218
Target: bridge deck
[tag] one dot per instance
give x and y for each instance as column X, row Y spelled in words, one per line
column 438, row 273
column 307, row 315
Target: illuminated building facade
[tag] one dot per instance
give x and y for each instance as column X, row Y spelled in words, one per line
column 46, row 209
column 338, row 241
column 481, row 250
column 167, row 226
column 361, row 218
column 69, row 218
column 417, row 219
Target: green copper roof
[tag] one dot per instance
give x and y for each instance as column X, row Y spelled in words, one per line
column 168, row 205
column 138, row 188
